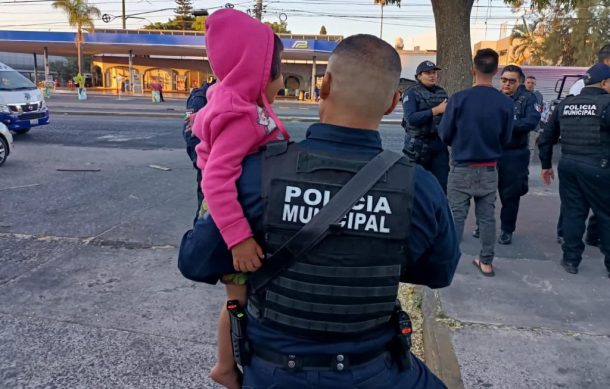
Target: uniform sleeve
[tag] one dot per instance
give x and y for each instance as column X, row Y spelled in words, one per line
column 507, row 128
column 432, row 244
column 446, row 128
column 606, row 119
column 549, row 137
column 531, row 119
column 234, row 138
column 415, row 118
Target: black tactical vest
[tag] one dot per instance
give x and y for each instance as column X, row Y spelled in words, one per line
column 347, row 284
column 519, row 141
column 580, row 125
column 426, row 99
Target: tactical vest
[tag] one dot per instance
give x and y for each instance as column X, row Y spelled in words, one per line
column 580, row 124
column 346, row 286
column 518, row 141
column 426, row 99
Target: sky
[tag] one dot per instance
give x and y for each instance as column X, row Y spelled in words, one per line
column 413, row 21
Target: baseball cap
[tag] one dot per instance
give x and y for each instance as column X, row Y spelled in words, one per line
column 597, row 73
column 426, row 66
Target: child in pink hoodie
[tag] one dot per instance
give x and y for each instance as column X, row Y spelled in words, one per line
column 245, row 57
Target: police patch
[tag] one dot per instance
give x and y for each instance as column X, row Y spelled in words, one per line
column 538, row 107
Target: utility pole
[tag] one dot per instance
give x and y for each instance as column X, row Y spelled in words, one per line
column 381, row 30
column 258, row 9
column 124, row 24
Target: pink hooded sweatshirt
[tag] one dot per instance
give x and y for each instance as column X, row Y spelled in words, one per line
column 232, row 125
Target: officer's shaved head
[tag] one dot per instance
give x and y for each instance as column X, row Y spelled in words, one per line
column 362, row 75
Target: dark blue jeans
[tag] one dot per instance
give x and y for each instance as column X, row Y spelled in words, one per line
column 380, row 373
column 583, row 186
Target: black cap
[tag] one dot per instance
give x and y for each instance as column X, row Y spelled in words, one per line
column 597, row 73
column 426, row 66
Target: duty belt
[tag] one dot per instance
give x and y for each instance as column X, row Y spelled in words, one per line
column 334, row 362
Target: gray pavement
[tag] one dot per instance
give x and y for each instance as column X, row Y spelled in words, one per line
column 91, row 297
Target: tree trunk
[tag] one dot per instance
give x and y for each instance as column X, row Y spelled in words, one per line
column 453, row 52
column 79, row 39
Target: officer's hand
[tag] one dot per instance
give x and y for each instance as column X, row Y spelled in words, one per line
column 548, row 175
column 439, row 109
column 247, row 256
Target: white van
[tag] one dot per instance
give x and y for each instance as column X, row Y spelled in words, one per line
column 22, row 105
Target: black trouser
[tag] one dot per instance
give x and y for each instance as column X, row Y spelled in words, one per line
column 513, row 172
column 432, row 155
column 583, row 186
column 592, row 227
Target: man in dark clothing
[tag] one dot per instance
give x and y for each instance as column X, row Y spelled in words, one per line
column 286, row 353
column 513, row 166
column 583, row 122
column 424, row 104
column 477, row 123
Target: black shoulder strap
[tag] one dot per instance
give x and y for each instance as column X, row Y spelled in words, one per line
column 314, row 231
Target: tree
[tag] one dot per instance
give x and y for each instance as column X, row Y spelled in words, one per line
column 323, row 30
column 184, row 14
column 383, row 4
column 454, row 53
column 526, row 42
column 199, row 23
column 80, row 15
column 279, row 27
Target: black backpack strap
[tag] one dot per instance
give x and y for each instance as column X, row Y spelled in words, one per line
column 331, row 214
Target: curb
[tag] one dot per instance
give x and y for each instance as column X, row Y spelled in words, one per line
column 306, row 119
column 438, row 349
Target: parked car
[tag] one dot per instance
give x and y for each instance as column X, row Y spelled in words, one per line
column 22, row 105
column 6, row 143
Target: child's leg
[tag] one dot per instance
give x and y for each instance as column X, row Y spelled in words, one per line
column 225, row 372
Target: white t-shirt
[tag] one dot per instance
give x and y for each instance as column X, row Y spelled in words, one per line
column 577, row 87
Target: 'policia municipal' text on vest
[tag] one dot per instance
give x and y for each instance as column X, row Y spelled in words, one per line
column 426, row 99
column 580, row 124
column 347, row 284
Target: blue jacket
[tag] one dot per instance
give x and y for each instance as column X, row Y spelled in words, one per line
column 432, row 245
column 477, row 123
column 527, row 117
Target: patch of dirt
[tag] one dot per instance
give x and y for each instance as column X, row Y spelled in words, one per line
column 411, row 301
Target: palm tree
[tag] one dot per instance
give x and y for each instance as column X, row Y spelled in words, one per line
column 80, row 15
column 526, row 43
column 382, row 3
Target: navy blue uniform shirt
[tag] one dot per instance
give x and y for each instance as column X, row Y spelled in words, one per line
column 531, row 117
column 413, row 114
column 432, row 244
column 477, row 123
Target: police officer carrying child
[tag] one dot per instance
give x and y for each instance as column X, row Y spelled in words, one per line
column 583, row 122
column 324, row 314
column 424, row 104
column 513, row 166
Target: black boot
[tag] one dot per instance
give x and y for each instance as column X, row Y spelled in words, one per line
column 505, row 238
column 569, row 267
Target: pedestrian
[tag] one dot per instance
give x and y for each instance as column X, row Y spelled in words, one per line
column 592, row 237
column 423, row 105
column 327, row 319
column 513, row 166
column 477, row 123
column 236, row 122
column 530, row 85
column 583, row 122
column 158, row 87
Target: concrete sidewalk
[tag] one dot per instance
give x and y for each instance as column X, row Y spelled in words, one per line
column 531, row 326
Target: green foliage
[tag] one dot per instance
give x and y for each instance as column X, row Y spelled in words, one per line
column 184, row 16
column 279, row 27
column 323, row 30
column 80, row 13
column 199, row 23
column 68, row 69
column 526, row 41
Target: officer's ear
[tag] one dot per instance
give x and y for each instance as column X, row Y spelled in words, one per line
column 325, row 88
column 395, row 100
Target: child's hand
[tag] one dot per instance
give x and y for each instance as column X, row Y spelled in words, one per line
column 247, row 256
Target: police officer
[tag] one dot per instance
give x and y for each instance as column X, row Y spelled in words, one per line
column 583, row 122
column 327, row 319
column 424, row 104
column 513, row 166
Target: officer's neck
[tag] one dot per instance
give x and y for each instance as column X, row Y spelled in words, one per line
column 348, row 119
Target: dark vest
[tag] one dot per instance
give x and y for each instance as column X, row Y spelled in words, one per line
column 519, row 141
column 580, row 125
column 426, row 99
column 347, row 284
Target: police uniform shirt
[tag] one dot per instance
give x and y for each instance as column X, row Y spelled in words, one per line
column 551, row 134
column 432, row 244
column 413, row 114
column 528, row 119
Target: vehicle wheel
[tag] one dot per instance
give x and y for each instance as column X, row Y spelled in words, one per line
column 3, row 150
